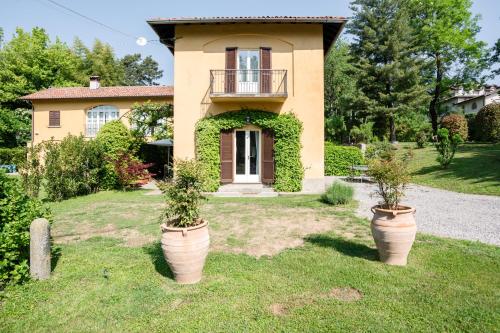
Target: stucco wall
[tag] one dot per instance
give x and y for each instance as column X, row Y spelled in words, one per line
column 296, row 48
column 73, row 115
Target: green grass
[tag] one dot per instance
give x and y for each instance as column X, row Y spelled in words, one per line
column 475, row 169
column 100, row 285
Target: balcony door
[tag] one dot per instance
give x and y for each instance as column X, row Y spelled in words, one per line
column 248, row 71
column 247, row 156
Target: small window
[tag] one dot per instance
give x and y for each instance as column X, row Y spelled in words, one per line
column 474, row 106
column 54, row 118
column 98, row 116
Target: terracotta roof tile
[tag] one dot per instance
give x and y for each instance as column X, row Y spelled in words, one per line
column 102, row 92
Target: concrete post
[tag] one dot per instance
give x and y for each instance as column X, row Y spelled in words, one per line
column 40, row 249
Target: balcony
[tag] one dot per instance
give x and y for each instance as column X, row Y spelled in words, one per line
column 248, row 85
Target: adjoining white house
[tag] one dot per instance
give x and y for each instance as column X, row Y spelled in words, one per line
column 471, row 101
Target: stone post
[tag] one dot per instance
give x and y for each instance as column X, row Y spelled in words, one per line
column 362, row 146
column 40, row 249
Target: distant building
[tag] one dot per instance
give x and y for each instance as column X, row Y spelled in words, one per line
column 471, row 101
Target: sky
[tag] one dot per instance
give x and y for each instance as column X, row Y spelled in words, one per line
column 129, row 17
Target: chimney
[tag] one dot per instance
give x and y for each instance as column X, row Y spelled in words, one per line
column 94, row 82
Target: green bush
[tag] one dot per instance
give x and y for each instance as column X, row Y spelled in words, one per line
column 12, row 155
column 184, row 194
column 422, row 138
column 446, row 146
column 362, row 133
column 339, row 159
column 31, row 170
column 409, row 125
column 73, row 167
column 288, row 172
column 338, row 194
column 456, row 124
column 17, row 211
column 380, row 150
column 488, row 123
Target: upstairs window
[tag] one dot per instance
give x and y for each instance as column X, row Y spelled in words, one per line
column 98, row 116
column 474, row 106
column 54, row 118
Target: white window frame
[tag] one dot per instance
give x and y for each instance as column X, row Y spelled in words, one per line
column 98, row 116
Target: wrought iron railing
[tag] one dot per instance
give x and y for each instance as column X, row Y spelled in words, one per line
column 248, row 82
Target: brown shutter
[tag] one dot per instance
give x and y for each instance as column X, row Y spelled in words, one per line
column 267, row 156
column 226, row 157
column 54, row 118
column 230, row 73
column 265, row 73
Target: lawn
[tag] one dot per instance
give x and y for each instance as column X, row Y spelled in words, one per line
column 110, row 275
column 475, row 169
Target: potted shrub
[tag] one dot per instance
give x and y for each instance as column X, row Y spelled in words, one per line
column 393, row 225
column 185, row 239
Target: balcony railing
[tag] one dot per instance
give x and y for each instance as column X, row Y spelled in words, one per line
column 248, row 83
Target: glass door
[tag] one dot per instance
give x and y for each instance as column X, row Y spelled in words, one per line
column 248, row 71
column 247, row 156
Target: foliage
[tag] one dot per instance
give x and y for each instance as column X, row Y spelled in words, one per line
column 12, row 155
column 456, row 124
column 380, row 150
column 335, row 128
column 32, row 170
column 446, row 146
column 30, row 62
column 129, row 170
column 138, row 71
column 115, row 138
column 287, row 129
column 17, row 211
column 184, row 194
column 422, row 138
column 392, row 177
column 488, row 123
column 15, row 127
column 409, row 124
column 362, row 133
column 151, row 119
column 385, row 50
column 446, row 36
column 73, row 167
column 338, row 194
column 495, row 58
column 340, row 159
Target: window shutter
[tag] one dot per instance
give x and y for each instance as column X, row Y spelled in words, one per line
column 226, row 157
column 54, row 118
column 267, row 156
column 230, row 76
column 265, row 73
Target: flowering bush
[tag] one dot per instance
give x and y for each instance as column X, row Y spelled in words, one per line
column 456, row 124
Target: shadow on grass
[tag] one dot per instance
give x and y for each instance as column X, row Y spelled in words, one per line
column 156, row 254
column 346, row 247
column 55, row 255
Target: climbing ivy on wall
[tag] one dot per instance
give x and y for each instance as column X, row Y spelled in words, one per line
column 287, row 129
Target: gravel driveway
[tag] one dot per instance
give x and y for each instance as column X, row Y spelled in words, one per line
column 444, row 213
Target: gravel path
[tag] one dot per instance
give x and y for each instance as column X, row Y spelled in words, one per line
column 444, row 213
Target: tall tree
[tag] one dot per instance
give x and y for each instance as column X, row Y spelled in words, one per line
column 140, row 72
column 447, row 32
column 30, row 62
column 495, row 58
column 389, row 70
column 15, row 127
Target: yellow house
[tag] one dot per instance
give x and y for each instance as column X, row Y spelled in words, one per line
column 273, row 64
column 58, row 112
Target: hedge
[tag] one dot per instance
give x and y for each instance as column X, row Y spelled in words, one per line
column 339, row 159
column 488, row 123
column 12, row 155
column 287, row 129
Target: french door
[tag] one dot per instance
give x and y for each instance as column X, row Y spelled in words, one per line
column 248, row 71
column 247, row 156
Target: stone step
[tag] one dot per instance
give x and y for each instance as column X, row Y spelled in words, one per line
column 245, row 190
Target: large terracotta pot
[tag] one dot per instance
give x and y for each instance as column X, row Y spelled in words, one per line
column 394, row 233
column 185, row 250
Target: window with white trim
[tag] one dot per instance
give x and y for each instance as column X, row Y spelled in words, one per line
column 98, row 116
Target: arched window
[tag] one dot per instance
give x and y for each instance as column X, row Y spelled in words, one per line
column 474, row 106
column 98, row 116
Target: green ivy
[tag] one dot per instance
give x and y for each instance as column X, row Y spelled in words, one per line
column 287, row 129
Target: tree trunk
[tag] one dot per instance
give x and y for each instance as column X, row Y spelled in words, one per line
column 392, row 126
column 436, row 95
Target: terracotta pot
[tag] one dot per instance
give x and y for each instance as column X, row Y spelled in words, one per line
column 394, row 233
column 185, row 250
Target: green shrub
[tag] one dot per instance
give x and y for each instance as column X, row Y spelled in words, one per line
column 12, row 155
column 409, row 124
column 31, row 170
column 338, row 194
column 381, row 149
column 362, row 133
column 456, row 124
column 288, row 171
column 446, row 146
column 17, row 211
column 184, row 194
column 73, row 167
column 339, row 159
column 422, row 138
column 488, row 123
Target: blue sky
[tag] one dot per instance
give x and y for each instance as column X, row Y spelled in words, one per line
column 130, row 17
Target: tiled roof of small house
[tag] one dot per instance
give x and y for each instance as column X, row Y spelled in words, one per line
column 101, row 92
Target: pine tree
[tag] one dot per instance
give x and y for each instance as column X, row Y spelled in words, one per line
column 386, row 59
